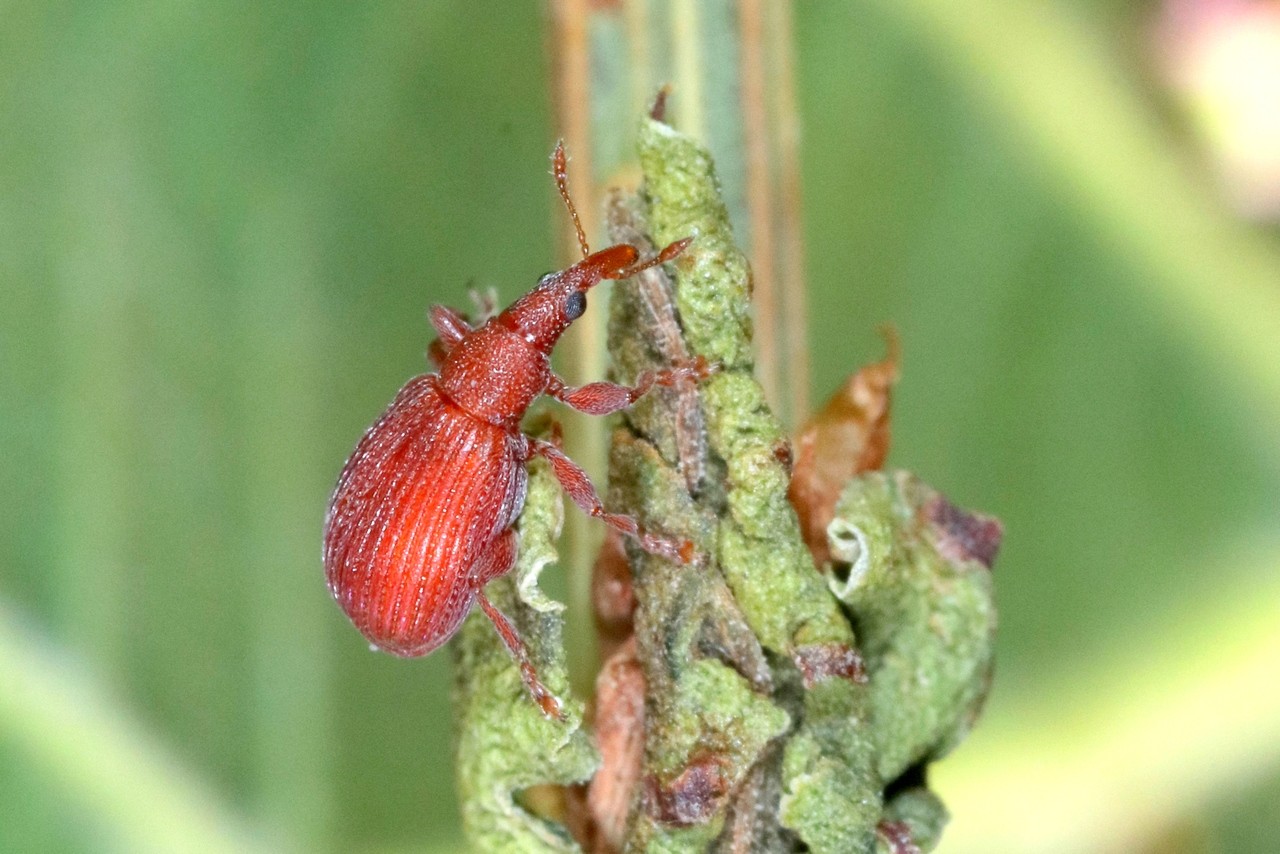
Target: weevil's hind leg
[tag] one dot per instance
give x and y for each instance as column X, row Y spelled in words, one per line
column 451, row 327
column 575, row 482
column 499, row 559
column 548, row 702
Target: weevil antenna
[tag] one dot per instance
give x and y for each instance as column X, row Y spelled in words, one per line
column 559, row 166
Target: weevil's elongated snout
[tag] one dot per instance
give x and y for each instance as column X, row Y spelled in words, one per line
column 608, row 263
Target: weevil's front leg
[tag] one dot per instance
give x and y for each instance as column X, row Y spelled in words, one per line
column 604, row 398
column 575, row 482
column 486, row 303
column 548, row 702
column 451, row 326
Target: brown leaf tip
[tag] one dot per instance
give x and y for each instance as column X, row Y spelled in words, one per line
column 691, row 798
column 898, row 836
column 821, row 661
column 961, row 535
column 658, row 112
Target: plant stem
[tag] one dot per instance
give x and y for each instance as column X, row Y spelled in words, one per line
column 730, row 67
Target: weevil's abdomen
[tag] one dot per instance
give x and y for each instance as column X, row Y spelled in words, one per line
column 419, row 506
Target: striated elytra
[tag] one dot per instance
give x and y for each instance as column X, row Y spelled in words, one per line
column 421, row 518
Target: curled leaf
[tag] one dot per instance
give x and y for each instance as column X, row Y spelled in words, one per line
column 925, row 609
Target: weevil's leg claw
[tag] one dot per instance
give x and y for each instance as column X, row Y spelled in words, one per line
column 702, row 368
column 687, row 552
column 555, row 434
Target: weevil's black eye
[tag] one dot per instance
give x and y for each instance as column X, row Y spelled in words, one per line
column 545, row 279
column 575, row 304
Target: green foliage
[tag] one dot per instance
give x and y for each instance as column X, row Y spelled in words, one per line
column 925, row 613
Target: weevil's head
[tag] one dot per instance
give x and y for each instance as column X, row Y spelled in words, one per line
column 542, row 315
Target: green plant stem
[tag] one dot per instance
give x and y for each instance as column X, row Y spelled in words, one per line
column 611, row 61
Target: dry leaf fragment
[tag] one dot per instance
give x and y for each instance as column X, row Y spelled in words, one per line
column 849, row 435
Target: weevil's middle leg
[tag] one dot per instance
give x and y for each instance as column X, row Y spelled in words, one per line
column 604, row 398
column 575, row 482
column 547, row 701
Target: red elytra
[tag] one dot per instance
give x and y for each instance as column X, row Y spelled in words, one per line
column 421, row 518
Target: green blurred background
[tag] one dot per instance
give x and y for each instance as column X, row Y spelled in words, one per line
column 221, row 225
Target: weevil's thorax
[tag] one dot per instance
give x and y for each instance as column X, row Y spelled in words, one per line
column 494, row 374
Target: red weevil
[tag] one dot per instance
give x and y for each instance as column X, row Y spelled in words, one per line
column 421, row 518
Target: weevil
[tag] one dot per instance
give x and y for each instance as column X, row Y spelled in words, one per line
column 422, row 516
